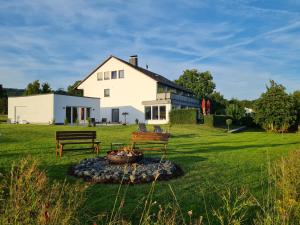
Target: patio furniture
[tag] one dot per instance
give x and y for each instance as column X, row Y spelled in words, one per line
column 142, row 127
column 157, row 129
column 150, row 141
column 76, row 137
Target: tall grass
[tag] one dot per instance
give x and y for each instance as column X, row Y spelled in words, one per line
column 28, row 198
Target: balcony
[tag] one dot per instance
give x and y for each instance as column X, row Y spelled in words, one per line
column 178, row 99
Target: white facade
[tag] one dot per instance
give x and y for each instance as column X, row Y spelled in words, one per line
column 49, row 108
column 133, row 94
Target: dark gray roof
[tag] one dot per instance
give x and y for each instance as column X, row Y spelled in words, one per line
column 159, row 78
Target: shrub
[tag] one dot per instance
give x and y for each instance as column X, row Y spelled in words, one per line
column 89, row 122
column 183, row 116
column 275, row 109
column 215, row 120
column 26, row 197
column 66, row 122
column 235, row 111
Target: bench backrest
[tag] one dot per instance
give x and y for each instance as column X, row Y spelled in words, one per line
column 149, row 136
column 75, row 135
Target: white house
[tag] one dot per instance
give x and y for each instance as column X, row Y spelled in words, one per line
column 126, row 88
column 49, row 108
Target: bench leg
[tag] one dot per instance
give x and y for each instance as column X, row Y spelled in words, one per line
column 56, row 149
column 61, row 150
column 97, row 149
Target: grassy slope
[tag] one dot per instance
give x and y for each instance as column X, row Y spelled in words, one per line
column 212, row 160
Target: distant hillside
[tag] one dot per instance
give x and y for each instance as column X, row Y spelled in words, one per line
column 14, row 92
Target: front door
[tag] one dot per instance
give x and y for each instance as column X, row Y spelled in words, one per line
column 115, row 115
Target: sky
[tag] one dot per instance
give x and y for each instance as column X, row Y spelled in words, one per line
column 243, row 43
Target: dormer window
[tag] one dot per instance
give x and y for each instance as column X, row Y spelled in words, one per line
column 121, row 73
column 113, row 74
column 106, row 75
column 99, row 76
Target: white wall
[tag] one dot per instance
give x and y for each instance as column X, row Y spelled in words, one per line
column 34, row 109
column 42, row 109
column 126, row 94
column 62, row 101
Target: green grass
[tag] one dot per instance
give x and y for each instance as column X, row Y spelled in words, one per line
column 3, row 118
column 211, row 159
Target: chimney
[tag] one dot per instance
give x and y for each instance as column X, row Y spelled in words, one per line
column 133, row 60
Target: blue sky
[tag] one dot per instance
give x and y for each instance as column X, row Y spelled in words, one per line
column 244, row 43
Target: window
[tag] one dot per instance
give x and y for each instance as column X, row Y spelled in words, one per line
column 106, row 93
column 148, row 113
column 99, row 76
column 88, row 113
column 162, row 112
column 155, row 112
column 113, row 74
column 121, row 73
column 106, row 75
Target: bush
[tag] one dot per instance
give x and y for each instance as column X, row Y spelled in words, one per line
column 183, row 116
column 275, row 109
column 215, row 120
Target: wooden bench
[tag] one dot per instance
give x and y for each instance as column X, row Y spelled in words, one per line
column 76, row 137
column 150, row 139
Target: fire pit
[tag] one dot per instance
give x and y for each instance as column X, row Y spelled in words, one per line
column 123, row 156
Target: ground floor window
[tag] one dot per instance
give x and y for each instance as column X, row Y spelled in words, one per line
column 162, row 112
column 155, row 112
column 148, row 113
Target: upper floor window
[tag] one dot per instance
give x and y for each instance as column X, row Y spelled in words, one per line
column 121, row 73
column 113, row 74
column 106, row 75
column 99, row 76
column 106, row 93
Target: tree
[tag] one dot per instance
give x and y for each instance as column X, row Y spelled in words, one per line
column 296, row 97
column 33, row 88
column 3, row 100
column 218, row 103
column 46, row 88
column 73, row 91
column 235, row 111
column 275, row 109
column 200, row 83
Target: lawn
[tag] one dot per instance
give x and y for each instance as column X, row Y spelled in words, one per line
column 211, row 159
column 3, row 118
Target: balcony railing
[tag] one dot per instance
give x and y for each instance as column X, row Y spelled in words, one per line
column 177, row 98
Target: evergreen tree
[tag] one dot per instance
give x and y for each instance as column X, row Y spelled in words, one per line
column 33, row 88
column 46, row 88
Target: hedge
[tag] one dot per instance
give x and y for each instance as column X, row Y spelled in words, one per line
column 183, row 116
column 215, row 120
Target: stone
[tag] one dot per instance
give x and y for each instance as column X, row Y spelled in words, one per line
column 99, row 170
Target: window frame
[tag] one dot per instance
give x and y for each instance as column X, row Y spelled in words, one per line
column 108, row 75
column 119, row 74
column 105, row 94
column 116, row 74
column 99, row 78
